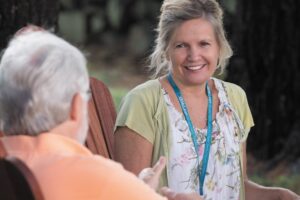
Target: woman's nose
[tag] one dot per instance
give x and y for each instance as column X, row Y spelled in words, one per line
column 193, row 54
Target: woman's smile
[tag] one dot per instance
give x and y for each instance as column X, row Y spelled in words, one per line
column 196, row 67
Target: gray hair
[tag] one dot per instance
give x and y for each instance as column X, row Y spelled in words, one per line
column 174, row 13
column 39, row 75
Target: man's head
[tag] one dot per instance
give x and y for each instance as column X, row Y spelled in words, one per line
column 40, row 76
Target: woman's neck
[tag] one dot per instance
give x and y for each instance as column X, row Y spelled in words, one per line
column 192, row 90
column 195, row 90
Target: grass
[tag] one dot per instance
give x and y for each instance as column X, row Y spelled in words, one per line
column 110, row 79
column 119, row 80
column 118, row 93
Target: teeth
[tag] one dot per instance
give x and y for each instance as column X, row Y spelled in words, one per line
column 196, row 67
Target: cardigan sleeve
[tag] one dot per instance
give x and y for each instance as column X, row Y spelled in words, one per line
column 137, row 112
column 238, row 99
column 143, row 110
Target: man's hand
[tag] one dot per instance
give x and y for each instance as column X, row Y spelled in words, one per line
column 151, row 175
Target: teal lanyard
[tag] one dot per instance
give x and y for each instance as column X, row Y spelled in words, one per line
column 202, row 172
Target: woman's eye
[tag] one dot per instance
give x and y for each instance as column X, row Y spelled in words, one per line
column 204, row 44
column 180, row 46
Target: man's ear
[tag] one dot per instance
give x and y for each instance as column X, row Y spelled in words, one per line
column 73, row 124
column 76, row 108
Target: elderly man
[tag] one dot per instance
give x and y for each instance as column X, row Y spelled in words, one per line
column 44, row 89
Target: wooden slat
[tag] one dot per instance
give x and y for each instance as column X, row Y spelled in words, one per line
column 17, row 181
column 3, row 152
column 7, row 190
column 102, row 116
column 28, row 175
column 96, row 140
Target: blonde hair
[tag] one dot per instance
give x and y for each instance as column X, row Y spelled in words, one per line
column 174, row 13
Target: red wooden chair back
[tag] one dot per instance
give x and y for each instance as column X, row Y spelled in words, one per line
column 17, row 181
column 102, row 116
column 3, row 152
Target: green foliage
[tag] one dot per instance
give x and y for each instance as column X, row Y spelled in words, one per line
column 114, row 12
column 117, row 94
column 109, row 78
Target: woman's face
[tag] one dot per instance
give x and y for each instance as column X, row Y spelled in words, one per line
column 193, row 51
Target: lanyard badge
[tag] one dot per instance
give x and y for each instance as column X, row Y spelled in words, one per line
column 202, row 171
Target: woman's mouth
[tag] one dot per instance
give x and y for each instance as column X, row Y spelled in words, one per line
column 194, row 67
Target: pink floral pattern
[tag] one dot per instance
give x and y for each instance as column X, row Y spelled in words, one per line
column 223, row 174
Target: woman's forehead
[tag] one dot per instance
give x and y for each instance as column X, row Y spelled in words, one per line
column 194, row 29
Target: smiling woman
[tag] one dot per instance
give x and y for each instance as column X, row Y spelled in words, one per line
column 199, row 123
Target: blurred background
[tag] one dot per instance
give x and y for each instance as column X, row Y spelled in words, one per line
column 117, row 36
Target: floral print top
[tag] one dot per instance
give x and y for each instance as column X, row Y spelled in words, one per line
column 223, row 175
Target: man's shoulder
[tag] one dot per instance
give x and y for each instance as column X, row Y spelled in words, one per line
column 76, row 171
column 94, row 176
column 86, row 163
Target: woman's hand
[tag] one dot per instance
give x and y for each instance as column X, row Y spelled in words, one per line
column 285, row 194
column 171, row 195
column 151, row 175
column 255, row 191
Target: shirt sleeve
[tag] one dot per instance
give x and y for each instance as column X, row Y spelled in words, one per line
column 137, row 112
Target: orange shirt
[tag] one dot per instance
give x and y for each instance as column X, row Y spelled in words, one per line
column 66, row 170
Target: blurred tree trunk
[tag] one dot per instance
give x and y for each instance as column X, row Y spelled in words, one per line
column 14, row 14
column 266, row 41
